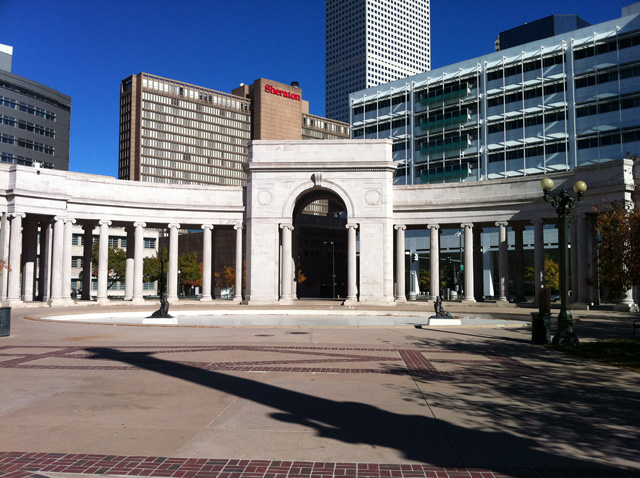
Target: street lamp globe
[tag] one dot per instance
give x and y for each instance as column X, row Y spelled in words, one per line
column 546, row 184
column 580, row 187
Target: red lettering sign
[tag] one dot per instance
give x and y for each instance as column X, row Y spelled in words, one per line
column 286, row 94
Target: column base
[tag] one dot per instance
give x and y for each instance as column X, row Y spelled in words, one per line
column 13, row 303
column 173, row 300
column 403, row 298
column 626, row 307
column 350, row 302
column 469, row 299
column 207, row 298
column 57, row 302
column 103, row 301
column 237, row 300
column 138, row 301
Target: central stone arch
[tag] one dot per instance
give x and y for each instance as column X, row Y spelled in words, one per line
column 283, row 178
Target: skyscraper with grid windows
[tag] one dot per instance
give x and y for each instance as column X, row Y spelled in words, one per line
column 371, row 42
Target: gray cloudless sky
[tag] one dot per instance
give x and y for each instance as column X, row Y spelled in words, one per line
column 85, row 48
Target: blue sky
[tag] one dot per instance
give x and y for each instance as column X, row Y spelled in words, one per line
column 84, row 48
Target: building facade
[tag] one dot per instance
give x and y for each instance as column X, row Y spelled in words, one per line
column 556, row 104
column 283, row 178
column 371, row 42
column 176, row 133
column 34, row 120
column 544, row 28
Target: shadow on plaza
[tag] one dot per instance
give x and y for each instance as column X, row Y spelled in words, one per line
column 561, row 399
column 418, row 437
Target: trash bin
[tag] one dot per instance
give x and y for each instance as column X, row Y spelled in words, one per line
column 5, row 321
column 540, row 328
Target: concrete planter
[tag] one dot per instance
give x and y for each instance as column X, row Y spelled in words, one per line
column 5, row 321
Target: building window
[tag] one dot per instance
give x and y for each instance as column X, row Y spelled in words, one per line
column 149, row 243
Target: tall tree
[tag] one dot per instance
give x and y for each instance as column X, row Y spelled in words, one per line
column 618, row 225
column 116, row 263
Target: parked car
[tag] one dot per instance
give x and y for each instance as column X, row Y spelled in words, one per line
column 228, row 293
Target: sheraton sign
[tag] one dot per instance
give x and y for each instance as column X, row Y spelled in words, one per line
column 286, row 94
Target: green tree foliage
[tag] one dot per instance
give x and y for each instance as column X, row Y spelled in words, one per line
column 551, row 274
column 153, row 266
column 190, row 269
column 116, row 264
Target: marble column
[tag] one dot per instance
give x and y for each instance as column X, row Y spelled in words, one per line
column 29, row 258
column 469, row 295
column 172, row 266
column 103, row 261
column 582, row 257
column 400, row 263
column 538, row 245
column 434, row 255
column 285, row 271
column 352, row 284
column 46, row 245
column 66, row 259
column 130, row 263
column 56, row 261
column 478, row 264
column 206, row 261
column 15, row 251
column 519, row 262
column 5, row 227
column 87, row 259
column 503, row 262
column 138, row 262
column 239, row 269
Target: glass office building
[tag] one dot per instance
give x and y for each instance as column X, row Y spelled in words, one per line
column 549, row 105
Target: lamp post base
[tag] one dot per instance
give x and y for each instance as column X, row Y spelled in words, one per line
column 565, row 336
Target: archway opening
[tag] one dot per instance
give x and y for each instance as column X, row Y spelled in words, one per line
column 320, row 246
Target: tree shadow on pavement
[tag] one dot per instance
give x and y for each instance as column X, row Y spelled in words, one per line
column 418, row 437
column 559, row 401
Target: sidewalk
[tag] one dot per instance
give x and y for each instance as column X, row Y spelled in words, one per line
column 311, row 402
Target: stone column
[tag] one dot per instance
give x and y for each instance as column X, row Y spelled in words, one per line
column 352, row 284
column 130, row 263
column 206, row 262
column 87, row 258
column 56, row 262
column 400, row 285
column 46, row 244
column 503, row 262
column 239, row 269
column 469, row 295
column 478, row 264
column 30, row 258
column 434, row 255
column 103, row 261
column 538, row 245
column 582, row 256
column 172, row 266
column 286, row 280
column 66, row 259
column 15, row 251
column 138, row 262
column 4, row 255
column 519, row 262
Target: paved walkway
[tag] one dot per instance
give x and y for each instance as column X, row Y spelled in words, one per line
column 311, row 402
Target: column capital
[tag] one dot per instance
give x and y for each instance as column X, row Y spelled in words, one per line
column 88, row 228
column 433, row 226
column 287, row 226
column 238, row 226
column 354, row 226
column 207, row 227
column 502, row 223
column 537, row 221
column 59, row 219
column 139, row 224
column 467, row 225
column 70, row 220
column 16, row 214
column 173, row 225
column 104, row 222
column 399, row 227
column 518, row 228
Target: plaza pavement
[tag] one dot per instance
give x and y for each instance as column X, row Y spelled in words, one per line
column 312, row 402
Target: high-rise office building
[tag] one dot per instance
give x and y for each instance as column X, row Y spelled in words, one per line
column 371, row 42
column 544, row 28
column 175, row 132
column 554, row 104
column 34, row 120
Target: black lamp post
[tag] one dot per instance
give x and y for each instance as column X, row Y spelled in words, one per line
column 333, row 267
column 564, row 203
